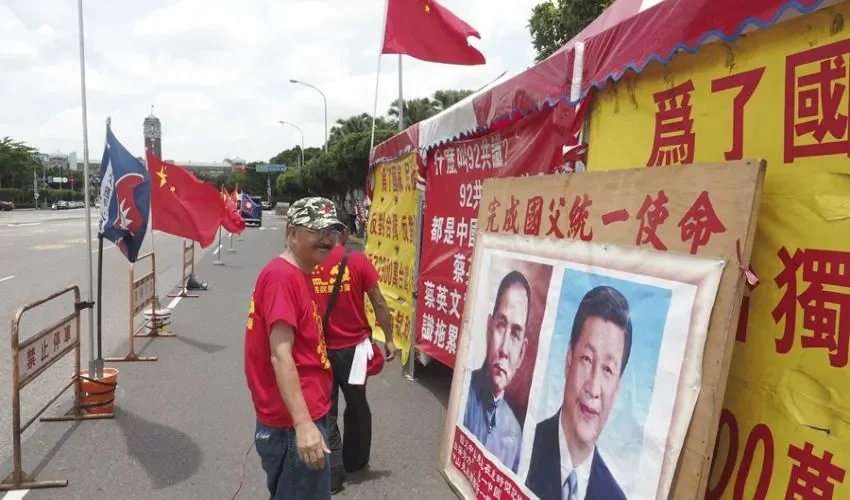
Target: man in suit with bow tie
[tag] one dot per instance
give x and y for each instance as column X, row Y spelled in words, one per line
column 565, row 463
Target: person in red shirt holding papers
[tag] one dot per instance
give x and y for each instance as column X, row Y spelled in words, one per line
column 346, row 326
column 286, row 361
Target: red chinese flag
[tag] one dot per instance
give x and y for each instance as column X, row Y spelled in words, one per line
column 232, row 222
column 428, row 31
column 182, row 205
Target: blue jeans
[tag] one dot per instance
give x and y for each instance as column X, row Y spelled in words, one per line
column 287, row 477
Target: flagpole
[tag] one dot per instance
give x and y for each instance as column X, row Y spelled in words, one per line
column 95, row 366
column 400, row 98
column 375, row 109
column 378, row 74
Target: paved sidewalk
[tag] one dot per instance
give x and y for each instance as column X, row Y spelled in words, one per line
column 184, row 423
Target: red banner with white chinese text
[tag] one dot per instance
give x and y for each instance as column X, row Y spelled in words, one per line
column 456, row 174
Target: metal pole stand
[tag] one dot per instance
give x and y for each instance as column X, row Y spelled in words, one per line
column 231, row 249
column 156, row 323
column 218, row 252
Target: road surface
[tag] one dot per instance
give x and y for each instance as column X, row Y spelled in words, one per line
column 184, row 424
column 42, row 252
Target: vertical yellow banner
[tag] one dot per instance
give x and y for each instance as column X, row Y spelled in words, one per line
column 782, row 94
column 391, row 245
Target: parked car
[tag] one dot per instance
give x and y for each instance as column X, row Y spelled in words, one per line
column 6, row 206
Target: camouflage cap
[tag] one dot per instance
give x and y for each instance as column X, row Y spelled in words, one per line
column 313, row 213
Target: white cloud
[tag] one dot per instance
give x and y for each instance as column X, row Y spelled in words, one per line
column 218, row 71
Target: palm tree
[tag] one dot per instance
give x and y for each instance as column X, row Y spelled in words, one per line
column 444, row 99
column 357, row 123
column 415, row 110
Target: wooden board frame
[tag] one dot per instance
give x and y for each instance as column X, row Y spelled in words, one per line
column 735, row 188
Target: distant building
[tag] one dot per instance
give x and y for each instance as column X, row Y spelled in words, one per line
column 57, row 160
column 153, row 135
column 207, row 169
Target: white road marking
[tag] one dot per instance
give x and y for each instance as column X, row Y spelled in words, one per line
column 15, row 495
column 262, row 229
column 215, row 252
column 105, row 247
column 23, row 224
column 7, row 278
column 174, row 302
column 49, row 247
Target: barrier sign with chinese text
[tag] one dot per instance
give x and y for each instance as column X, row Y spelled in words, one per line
column 143, row 292
column 782, row 94
column 391, row 245
column 39, row 352
column 456, row 173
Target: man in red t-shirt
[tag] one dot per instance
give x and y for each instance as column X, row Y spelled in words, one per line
column 347, row 327
column 286, row 361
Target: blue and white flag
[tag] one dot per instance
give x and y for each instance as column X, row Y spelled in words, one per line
column 250, row 207
column 125, row 198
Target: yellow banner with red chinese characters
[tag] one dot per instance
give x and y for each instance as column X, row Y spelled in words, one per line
column 391, row 246
column 780, row 94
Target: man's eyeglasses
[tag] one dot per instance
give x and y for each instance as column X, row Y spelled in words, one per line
column 331, row 232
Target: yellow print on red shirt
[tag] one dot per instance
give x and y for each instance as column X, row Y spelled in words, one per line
column 250, row 324
column 321, row 349
column 327, row 287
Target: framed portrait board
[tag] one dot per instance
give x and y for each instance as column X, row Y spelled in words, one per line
column 593, row 362
column 581, row 341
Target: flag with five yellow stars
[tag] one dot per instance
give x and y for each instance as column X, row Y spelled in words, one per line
column 427, row 31
column 182, row 205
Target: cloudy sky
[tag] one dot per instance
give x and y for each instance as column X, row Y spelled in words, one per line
column 217, row 71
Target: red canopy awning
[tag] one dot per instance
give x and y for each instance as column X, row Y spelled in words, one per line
column 626, row 36
column 632, row 33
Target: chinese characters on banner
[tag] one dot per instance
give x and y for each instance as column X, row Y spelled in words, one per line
column 486, row 478
column 46, row 348
column 391, row 245
column 456, row 173
column 572, row 217
column 787, row 101
column 691, row 211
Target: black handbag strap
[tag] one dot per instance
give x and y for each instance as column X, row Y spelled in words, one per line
column 335, row 292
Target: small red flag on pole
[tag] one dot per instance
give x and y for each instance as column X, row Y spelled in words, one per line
column 425, row 30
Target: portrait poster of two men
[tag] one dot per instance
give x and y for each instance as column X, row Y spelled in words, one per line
column 580, row 371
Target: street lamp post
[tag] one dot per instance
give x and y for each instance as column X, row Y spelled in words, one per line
column 326, row 106
column 302, row 138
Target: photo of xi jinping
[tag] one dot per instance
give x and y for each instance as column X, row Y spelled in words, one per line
column 497, row 399
column 596, row 430
column 564, row 461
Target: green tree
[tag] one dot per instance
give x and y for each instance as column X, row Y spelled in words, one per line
column 16, row 163
column 415, row 110
column 553, row 23
column 292, row 157
column 359, row 123
column 333, row 174
column 444, row 99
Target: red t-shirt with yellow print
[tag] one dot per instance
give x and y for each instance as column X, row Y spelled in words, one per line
column 283, row 292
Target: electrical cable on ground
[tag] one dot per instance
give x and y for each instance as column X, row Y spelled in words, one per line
column 242, row 472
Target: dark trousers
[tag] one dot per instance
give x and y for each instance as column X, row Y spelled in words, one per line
column 287, row 477
column 349, row 453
